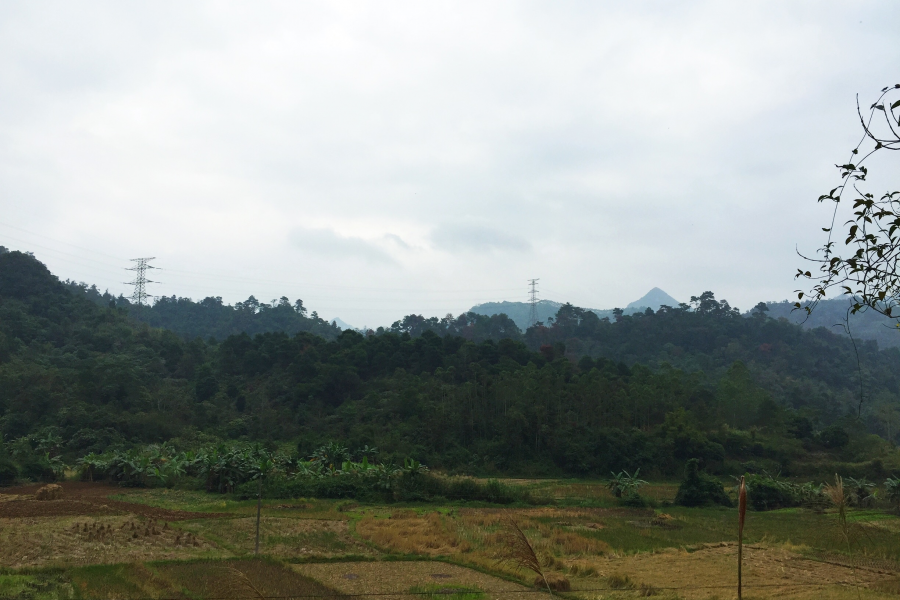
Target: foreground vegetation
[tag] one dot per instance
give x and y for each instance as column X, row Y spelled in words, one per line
column 320, row 546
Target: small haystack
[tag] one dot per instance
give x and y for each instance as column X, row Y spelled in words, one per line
column 49, row 492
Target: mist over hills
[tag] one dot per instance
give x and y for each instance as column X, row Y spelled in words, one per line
column 520, row 312
column 832, row 314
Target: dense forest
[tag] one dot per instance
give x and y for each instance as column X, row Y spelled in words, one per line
column 212, row 318
column 583, row 395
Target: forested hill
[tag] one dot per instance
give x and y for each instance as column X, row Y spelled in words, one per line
column 583, row 396
column 833, row 314
column 520, row 312
column 212, row 318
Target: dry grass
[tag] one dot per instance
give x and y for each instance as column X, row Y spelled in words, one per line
column 516, row 549
column 410, row 533
column 566, row 543
column 484, row 532
column 282, row 537
column 60, row 541
column 49, row 492
column 389, row 577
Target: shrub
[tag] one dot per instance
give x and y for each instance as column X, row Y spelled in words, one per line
column 767, row 493
column 8, row 471
column 386, row 486
column 892, row 491
column 699, row 489
column 834, row 437
column 634, row 499
column 37, row 470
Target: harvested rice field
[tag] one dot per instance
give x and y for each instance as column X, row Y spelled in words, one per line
column 385, row 578
column 102, row 542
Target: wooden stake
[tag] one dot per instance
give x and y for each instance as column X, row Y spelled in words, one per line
column 258, row 510
column 742, row 512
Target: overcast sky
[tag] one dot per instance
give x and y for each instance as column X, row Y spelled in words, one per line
column 378, row 159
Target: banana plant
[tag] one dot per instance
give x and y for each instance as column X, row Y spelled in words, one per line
column 892, row 491
column 625, row 484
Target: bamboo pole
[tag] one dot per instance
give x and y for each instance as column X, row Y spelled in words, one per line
column 742, row 512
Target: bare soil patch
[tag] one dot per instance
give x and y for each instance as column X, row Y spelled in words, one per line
column 84, row 498
column 243, row 579
column 398, row 577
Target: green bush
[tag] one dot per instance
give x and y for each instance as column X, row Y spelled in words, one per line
column 699, row 489
column 406, row 486
column 8, row 471
column 37, row 470
column 634, row 499
column 834, row 437
column 766, row 493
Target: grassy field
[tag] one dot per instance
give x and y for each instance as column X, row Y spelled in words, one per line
column 103, row 542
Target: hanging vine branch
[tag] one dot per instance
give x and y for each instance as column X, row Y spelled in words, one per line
column 867, row 269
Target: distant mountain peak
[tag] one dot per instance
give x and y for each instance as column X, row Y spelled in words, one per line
column 653, row 299
column 341, row 324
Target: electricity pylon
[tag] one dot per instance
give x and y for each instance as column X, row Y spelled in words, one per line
column 140, row 282
column 533, row 318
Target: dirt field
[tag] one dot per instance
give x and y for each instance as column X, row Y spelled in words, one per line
column 85, row 527
column 83, row 498
column 388, row 577
column 602, row 552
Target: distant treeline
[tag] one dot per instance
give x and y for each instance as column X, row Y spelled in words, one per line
column 211, row 317
column 834, row 315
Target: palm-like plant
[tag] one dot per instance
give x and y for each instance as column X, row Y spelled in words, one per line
column 331, row 454
column 624, row 484
column 90, row 464
column 892, row 491
column 861, row 490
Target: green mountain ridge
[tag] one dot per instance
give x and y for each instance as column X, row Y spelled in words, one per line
column 579, row 396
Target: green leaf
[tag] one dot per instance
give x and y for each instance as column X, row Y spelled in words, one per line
column 895, row 104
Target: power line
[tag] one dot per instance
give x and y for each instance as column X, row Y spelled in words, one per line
column 140, row 282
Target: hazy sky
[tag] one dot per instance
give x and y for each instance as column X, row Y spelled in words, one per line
column 377, row 159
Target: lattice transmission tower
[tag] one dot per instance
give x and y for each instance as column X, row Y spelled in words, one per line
column 140, row 282
column 533, row 292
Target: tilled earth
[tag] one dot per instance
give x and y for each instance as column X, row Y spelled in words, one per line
column 82, row 498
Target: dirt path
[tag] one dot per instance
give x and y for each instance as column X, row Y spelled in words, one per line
column 399, row 577
column 82, row 498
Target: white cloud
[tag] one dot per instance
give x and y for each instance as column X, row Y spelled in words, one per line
column 330, row 245
column 677, row 145
column 470, row 237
